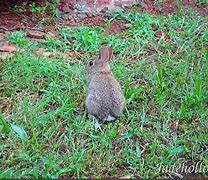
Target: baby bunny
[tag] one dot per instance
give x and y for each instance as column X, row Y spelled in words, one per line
column 105, row 99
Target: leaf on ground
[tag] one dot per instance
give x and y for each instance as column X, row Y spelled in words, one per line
column 21, row 132
column 5, row 55
column 176, row 151
column 8, row 48
column 126, row 177
column 47, row 54
column 36, row 34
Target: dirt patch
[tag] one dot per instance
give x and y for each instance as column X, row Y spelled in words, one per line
column 89, row 21
column 95, row 21
column 109, row 27
column 171, row 6
column 115, row 27
column 201, row 9
column 158, row 9
column 10, row 20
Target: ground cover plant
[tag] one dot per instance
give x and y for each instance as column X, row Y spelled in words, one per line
column 162, row 65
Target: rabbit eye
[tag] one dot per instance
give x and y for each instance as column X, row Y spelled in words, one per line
column 91, row 63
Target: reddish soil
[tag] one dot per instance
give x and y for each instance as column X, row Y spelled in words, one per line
column 165, row 8
column 171, row 6
column 10, row 20
column 112, row 28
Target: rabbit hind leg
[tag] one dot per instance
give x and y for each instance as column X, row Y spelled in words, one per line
column 93, row 106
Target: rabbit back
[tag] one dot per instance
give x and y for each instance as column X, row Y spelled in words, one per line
column 104, row 97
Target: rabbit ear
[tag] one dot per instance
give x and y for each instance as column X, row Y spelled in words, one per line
column 106, row 54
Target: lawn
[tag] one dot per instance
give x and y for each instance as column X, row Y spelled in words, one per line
column 161, row 63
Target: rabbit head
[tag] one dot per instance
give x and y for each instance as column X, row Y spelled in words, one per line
column 101, row 63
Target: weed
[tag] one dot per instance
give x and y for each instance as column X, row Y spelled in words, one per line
column 18, row 37
column 19, row 9
column 37, row 9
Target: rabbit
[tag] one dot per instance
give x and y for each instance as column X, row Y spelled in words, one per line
column 105, row 99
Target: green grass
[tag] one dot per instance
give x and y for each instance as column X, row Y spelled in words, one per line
column 164, row 81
